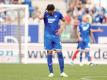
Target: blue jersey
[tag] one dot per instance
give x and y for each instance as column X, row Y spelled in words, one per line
column 52, row 22
column 84, row 29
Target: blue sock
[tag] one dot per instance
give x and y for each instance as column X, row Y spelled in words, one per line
column 81, row 57
column 88, row 56
column 49, row 60
column 61, row 61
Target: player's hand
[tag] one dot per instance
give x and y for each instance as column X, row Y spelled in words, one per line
column 80, row 39
column 39, row 15
column 59, row 31
column 100, row 30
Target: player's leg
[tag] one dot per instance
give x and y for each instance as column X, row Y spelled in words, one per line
column 81, row 56
column 61, row 63
column 50, row 63
column 87, row 51
column 88, row 54
column 88, row 57
column 75, row 55
column 49, row 60
column 58, row 48
column 81, row 49
column 76, row 52
column 48, row 47
column 61, row 60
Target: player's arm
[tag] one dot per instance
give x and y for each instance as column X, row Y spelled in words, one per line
column 62, row 27
column 92, row 37
column 63, row 24
column 97, row 30
column 39, row 15
column 94, row 30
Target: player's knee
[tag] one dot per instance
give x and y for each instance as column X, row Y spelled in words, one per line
column 49, row 51
column 79, row 49
column 87, row 50
column 81, row 53
column 60, row 55
column 58, row 51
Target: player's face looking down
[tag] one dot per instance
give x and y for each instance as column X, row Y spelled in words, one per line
column 50, row 8
column 50, row 12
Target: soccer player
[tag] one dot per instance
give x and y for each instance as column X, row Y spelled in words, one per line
column 52, row 40
column 84, row 32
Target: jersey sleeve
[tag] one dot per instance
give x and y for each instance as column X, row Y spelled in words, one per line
column 60, row 16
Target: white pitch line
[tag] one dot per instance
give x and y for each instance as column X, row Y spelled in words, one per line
column 86, row 78
column 93, row 77
column 99, row 76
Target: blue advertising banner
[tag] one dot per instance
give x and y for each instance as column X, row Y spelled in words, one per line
column 100, row 34
column 33, row 33
column 10, row 33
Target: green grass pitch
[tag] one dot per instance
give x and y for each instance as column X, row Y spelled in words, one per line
column 40, row 72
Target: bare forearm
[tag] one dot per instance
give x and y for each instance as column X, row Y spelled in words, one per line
column 96, row 30
column 78, row 34
column 39, row 16
column 62, row 28
column 63, row 25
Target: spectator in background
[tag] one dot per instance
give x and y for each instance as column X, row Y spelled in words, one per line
column 68, row 18
column 83, row 1
column 28, row 2
column 99, row 18
column 2, row 17
column 78, row 10
column 15, row 1
column 8, row 1
column 1, row 2
column 34, row 18
column 88, row 5
column 71, row 8
column 31, row 8
column 75, row 23
column 90, row 8
column 88, row 15
column 106, row 18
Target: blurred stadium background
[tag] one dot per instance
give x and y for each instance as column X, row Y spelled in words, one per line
column 21, row 37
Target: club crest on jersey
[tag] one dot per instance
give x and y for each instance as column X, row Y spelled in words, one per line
column 51, row 20
column 85, row 27
column 55, row 16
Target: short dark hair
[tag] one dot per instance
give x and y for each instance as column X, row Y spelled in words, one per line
column 50, row 7
column 86, row 10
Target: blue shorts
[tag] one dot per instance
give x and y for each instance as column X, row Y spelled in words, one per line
column 83, row 45
column 52, row 42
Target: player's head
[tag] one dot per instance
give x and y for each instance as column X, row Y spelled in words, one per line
column 85, row 19
column 50, row 8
